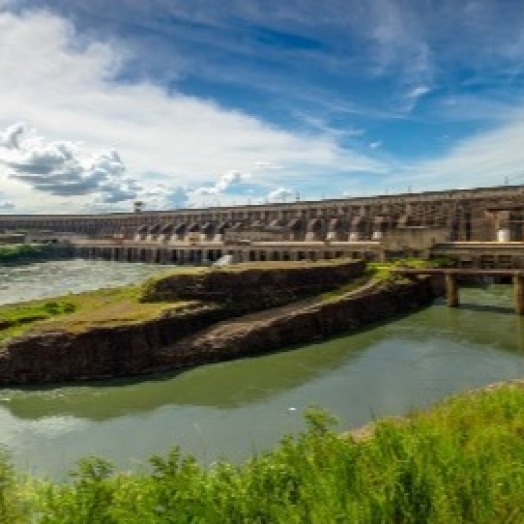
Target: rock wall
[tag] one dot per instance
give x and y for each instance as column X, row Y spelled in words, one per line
column 313, row 323
column 244, row 283
column 188, row 340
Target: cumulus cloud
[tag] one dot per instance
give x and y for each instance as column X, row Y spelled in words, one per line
column 279, row 194
column 9, row 138
column 224, row 182
column 165, row 197
column 68, row 87
column 63, row 168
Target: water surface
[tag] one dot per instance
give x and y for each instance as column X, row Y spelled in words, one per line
column 51, row 279
column 233, row 409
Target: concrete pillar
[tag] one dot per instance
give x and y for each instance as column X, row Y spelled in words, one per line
column 452, row 290
column 518, row 288
column 353, row 237
column 377, row 235
column 218, row 237
column 332, row 235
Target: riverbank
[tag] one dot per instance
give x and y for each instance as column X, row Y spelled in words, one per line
column 191, row 318
column 461, row 461
column 19, row 254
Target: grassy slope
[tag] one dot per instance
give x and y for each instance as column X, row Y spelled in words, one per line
column 463, row 461
column 77, row 312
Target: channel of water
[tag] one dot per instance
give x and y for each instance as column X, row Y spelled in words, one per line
column 231, row 410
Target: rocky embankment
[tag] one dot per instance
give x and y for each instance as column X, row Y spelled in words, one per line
column 269, row 332
column 218, row 330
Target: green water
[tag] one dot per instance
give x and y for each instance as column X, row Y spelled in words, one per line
column 232, row 409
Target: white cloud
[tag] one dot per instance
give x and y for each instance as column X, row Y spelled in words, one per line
column 224, row 182
column 417, row 92
column 375, row 145
column 65, row 86
column 483, row 160
column 279, row 194
column 63, row 168
column 399, row 42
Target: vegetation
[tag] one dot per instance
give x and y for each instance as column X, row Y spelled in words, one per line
column 26, row 253
column 114, row 306
column 78, row 312
column 382, row 270
column 350, row 287
column 461, row 462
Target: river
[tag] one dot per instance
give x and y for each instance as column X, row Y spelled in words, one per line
column 231, row 410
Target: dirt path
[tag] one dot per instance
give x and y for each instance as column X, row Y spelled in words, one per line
column 246, row 321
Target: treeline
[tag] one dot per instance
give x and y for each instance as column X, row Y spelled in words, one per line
column 27, row 253
column 461, row 462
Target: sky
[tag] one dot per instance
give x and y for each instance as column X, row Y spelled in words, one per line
column 204, row 103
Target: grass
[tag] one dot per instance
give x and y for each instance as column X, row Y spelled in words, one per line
column 116, row 306
column 355, row 284
column 109, row 307
column 462, row 461
column 78, row 312
column 382, row 270
column 25, row 253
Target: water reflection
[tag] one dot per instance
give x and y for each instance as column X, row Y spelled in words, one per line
column 426, row 339
column 234, row 408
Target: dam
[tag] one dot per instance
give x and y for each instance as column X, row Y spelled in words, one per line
column 478, row 228
column 233, row 409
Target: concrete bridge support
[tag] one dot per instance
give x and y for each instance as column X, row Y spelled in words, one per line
column 518, row 286
column 452, row 294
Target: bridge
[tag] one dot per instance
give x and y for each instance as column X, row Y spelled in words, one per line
column 452, row 274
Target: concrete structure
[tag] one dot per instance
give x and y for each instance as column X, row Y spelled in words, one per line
column 452, row 281
column 472, row 214
column 479, row 227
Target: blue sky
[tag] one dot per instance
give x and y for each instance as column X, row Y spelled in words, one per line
column 206, row 102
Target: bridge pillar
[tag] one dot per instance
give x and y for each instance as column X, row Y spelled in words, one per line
column 452, row 294
column 518, row 287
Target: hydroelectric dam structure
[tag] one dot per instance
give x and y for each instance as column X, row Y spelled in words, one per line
column 478, row 228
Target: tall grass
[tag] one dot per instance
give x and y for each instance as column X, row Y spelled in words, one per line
column 462, row 462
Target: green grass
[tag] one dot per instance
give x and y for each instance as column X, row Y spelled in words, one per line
column 74, row 313
column 354, row 285
column 15, row 319
column 461, row 462
column 382, row 270
column 110, row 307
column 25, row 253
